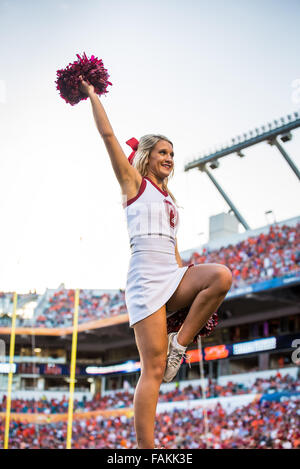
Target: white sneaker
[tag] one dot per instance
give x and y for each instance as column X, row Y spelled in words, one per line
column 174, row 358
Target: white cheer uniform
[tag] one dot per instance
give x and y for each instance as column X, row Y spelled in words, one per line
column 153, row 273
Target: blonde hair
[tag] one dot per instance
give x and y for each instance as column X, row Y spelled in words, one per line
column 141, row 158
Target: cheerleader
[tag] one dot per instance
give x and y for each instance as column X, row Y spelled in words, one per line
column 168, row 304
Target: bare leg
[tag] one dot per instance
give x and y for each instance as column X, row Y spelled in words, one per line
column 204, row 305
column 145, row 403
column 151, row 340
column 202, row 289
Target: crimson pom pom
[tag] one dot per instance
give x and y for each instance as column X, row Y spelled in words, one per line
column 92, row 71
column 175, row 321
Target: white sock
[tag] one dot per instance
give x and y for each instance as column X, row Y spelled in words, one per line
column 176, row 344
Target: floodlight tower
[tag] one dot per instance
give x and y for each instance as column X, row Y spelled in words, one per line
column 269, row 134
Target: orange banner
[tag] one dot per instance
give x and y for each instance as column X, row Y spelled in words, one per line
column 194, row 355
column 215, row 352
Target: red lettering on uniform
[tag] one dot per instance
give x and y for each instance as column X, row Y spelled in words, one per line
column 172, row 212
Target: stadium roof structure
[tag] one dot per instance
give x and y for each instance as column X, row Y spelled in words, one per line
column 267, row 133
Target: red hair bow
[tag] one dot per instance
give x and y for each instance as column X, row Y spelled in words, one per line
column 133, row 143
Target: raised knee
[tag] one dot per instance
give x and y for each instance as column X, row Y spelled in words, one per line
column 156, row 369
column 222, row 278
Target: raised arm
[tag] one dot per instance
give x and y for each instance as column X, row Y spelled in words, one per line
column 124, row 171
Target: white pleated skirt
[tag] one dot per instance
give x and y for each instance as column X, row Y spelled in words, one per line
column 152, row 278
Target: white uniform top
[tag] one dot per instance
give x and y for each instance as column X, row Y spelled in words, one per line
column 151, row 214
column 153, row 272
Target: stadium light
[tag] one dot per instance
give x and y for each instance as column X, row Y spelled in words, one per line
column 286, row 137
column 270, row 133
column 215, row 164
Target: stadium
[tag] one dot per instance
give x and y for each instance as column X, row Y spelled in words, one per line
column 69, row 361
column 248, row 362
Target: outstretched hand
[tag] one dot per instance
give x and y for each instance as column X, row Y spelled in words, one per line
column 86, row 87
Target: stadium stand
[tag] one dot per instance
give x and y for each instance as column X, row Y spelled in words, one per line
column 245, row 409
column 258, row 425
column 122, row 399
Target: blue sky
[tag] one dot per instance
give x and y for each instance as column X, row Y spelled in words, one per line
column 198, row 72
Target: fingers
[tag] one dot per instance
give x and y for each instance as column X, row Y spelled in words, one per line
column 83, row 81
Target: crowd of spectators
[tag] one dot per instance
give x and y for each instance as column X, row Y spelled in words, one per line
column 60, row 308
column 253, row 260
column 122, row 399
column 59, row 313
column 258, row 258
column 258, row 425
